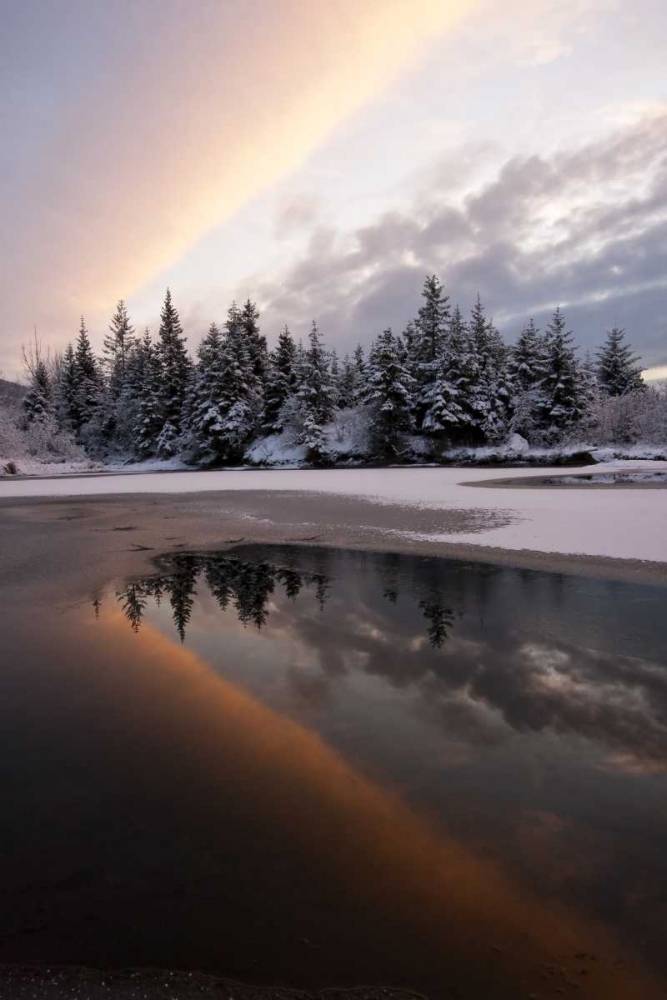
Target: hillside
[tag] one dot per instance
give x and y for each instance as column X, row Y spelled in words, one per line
column 11, row 392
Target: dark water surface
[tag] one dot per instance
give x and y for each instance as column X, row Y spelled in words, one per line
column 315, row 768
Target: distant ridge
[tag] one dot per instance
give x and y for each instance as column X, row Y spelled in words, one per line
column 11, row 392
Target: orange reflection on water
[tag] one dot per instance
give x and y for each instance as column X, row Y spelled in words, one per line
column 423, row 888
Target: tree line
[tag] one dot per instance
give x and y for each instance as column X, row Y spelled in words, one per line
column 448, row 378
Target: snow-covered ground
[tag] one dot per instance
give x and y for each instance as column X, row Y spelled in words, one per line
column 30, row 466
column 627, row 524
column 612, row 479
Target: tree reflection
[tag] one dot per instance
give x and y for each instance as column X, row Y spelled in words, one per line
column 247, row 588
column 133, row 602
column 440, row 620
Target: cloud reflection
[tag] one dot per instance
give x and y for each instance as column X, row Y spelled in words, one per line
column 474, row 664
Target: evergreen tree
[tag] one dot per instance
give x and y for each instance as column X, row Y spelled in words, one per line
column 334, row 372
column 114, row 411
column 144, row 382
column 66, row 391
column 316, row 396
column 37, row 402
column 347, row 384
column 208, row 402
column 433, row 321
column 241, row 399
column 175, row 374
column 280, row 382
column 388, row 395
column 488, row 379
column 446, row 397
column 360, row 368
column 617, row 370
column 351, row 380
column 88, row 380
column 255, row 342
column 527, row 364
column 564, row 401
column 526, row 370
column 426, row 341
column 118, row 346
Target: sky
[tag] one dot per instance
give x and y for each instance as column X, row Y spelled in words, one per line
column 321, row 158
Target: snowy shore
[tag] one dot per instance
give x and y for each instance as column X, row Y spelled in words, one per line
column 624, row 524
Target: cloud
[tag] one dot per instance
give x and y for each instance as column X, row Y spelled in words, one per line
column 586, row 228
column 177, row 116
column 298, row 213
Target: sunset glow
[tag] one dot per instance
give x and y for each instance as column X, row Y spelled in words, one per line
column 321, row 158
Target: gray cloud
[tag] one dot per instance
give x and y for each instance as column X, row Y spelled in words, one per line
column 585, row 228
column 298, row 213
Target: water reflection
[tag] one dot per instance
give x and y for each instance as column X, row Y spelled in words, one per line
column 319, row 767
column 485, row 652
column 248, row 587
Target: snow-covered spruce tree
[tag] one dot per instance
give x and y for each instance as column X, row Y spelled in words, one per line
column 315, row 396
column 243, row 388
column 352, row 379
column 255, row 343
column 526, row 371
column 446, row 416
column 37, row 404
column 617, row 370
column 175, row 375
column 359, row 361
column 115, row 402
column 433, row 319
column 388, row 394
column 144, row 374
column 208, row 402
column 118, row 345
column 88, row 382
column 527, row 364
column 290, row 415
column 489, row 393
column 334, row 372
column 226, row 398
column 497, row 426
column 564, row 400
column 346, row 384
column 65, row 390
column 430, row 332
column 280, row 382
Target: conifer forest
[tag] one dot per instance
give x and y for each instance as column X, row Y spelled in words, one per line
column 449, row 380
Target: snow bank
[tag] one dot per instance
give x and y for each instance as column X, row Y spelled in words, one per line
column 277, row 450
column 632, row 452
column 149, row 465
column 628, row 524
column 30, row 466
column 345, row 442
